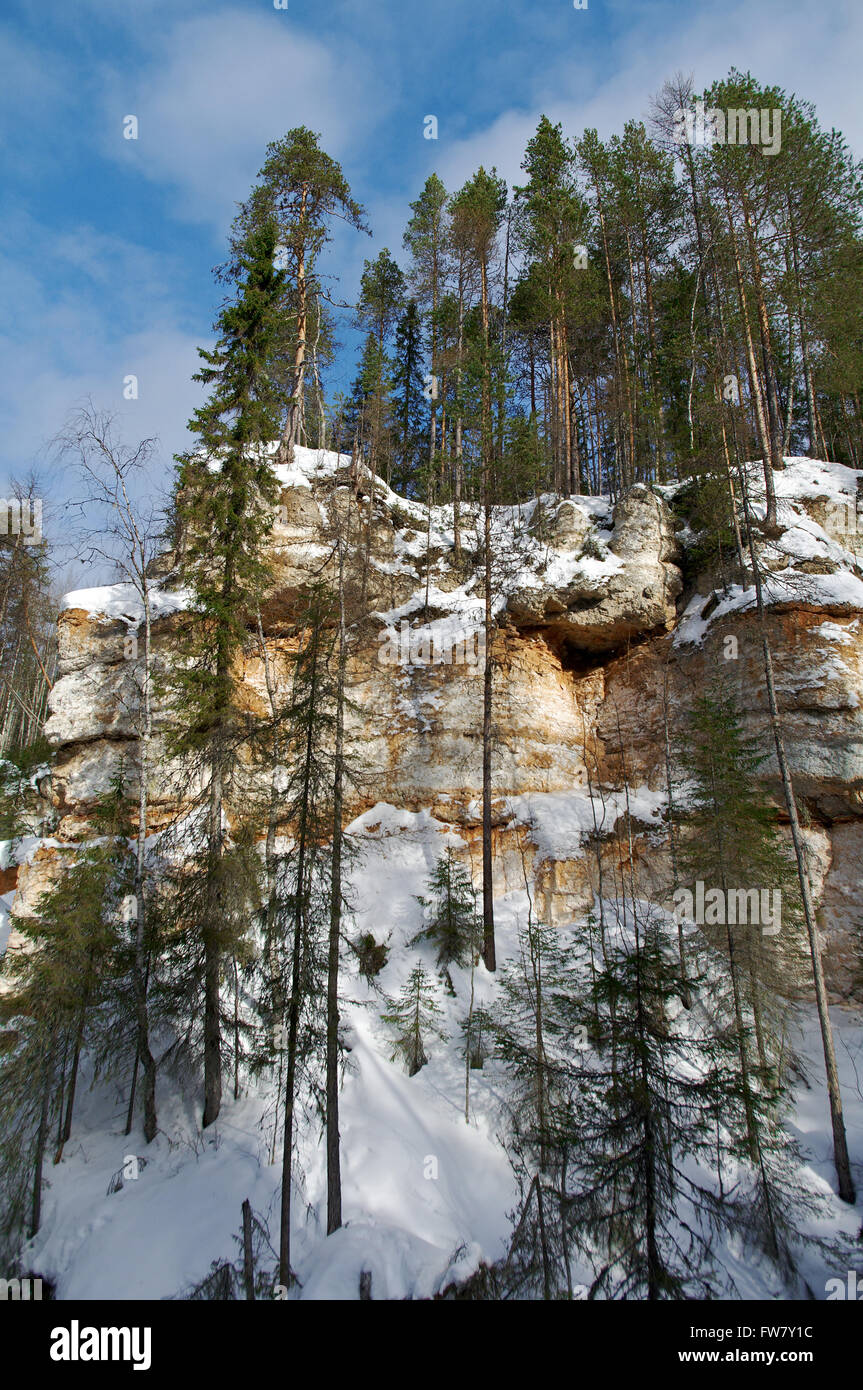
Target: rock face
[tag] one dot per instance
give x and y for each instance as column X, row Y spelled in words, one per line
column 605, row 603
column 596, row 645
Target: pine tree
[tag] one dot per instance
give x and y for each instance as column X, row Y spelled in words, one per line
column 595, row 161
column 645, row 211
column 368, row 419
column 225, row 504
column 70, row 994
column 381, row 297
column 415, row 1016
column 449, row 912
column 476, row 212
column 27, row 626
column 409, row 401
column 302, row 190
column 426, row 238
column 551, row 223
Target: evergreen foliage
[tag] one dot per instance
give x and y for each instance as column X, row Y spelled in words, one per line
column 414, row 1016
column 449, row 912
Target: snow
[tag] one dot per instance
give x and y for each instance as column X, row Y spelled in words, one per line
column 426, row 1197
column 309, row 466
column 803, row 539
column 560, row 822
column 812, row 478
column 383, row 819
column 5, row 905
column 26, row 846
column 831, row 632
column 530, row 563
column 841, row 593
column 124, row 601
column 457, row 603
column 6, row 899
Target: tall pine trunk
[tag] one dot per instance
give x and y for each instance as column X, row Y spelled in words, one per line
column 295, row 425
column 840, row 1142
column 295, row 1000
column 140, row 971
column 212, row 956
column 334, row 1176
column 487, row 887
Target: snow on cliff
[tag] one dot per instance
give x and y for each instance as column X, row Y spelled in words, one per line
column 426, row 1196
column 812, row 561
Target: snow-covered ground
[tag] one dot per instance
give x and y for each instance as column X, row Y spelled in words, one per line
column 426, row 1196
column 803, row 542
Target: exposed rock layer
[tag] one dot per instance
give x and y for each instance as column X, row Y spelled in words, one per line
column 589, row 665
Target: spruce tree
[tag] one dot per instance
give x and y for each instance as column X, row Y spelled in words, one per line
column 409, row 403
column 415, row 1017
column 71, row 994
column 449, row 912
column 735, row 850
column 225, row 503
column 649, row 1128
column 528, row 1033
column 302, row 190
column 301, row 922
column 733, row 845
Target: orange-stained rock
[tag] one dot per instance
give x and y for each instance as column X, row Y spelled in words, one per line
column 589, row 669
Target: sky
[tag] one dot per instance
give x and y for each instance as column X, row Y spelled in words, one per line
column 107, row 244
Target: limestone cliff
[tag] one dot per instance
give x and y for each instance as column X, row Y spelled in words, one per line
column 600, row 640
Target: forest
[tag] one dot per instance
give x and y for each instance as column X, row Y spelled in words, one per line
column 664, row 318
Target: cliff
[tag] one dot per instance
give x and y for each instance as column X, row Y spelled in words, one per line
column 606, row 626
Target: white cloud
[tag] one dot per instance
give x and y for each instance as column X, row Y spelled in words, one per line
column 89, row 310
column 85, row 308
column 804, row 48
column 217, row 88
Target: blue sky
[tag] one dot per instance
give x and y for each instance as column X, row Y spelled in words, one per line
column 108, row 244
